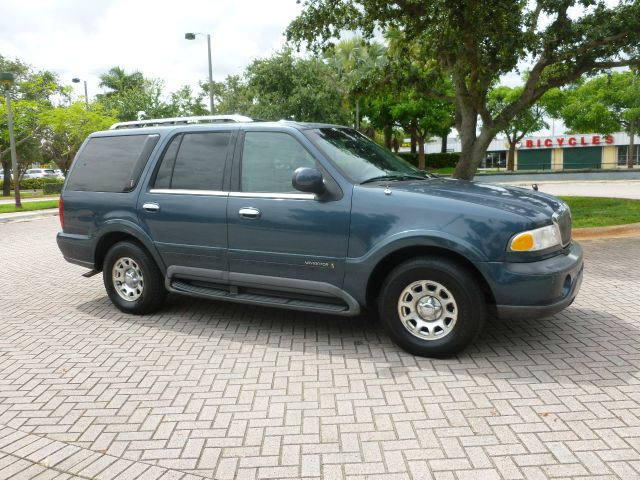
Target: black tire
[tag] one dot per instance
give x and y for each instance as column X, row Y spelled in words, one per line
column 468, row 304
column 144, row 300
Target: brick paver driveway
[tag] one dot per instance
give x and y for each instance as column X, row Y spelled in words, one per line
column 215, row 390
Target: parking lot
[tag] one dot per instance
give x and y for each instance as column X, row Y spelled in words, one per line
column 212, row 390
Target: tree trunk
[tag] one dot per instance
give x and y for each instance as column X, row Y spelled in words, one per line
column 474, row 146
column 388, row 134
column 421, row 159
column 511, row 156
column 414, row 141
column 358, row 113
column 6, row 186
column 632, row 145
column 443, row 144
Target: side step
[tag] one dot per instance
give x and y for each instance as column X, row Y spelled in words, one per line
column 332, row 306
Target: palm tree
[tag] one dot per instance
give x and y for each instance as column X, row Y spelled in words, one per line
column 117, row 80
column 355, row 61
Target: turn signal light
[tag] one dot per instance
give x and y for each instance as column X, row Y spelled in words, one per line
column 522, row 242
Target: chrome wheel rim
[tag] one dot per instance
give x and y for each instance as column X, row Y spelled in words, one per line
column 428, row 310
column 127, row 279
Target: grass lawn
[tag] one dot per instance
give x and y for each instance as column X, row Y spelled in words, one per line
column 27, row 206
column 602, row 212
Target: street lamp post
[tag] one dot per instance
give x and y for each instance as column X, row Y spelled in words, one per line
column 192, row 36
column 7, row 79
column 86, row 96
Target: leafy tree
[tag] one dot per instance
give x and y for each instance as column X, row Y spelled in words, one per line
column 232, row 95
column 287, row 87
column 182, row 103
column 424, row 117
column 605, row 104
column 32, row 93
column 65, row 128
column 528, row 120
column 477, row 41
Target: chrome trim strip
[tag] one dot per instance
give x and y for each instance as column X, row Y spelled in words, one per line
column 288, row 196
column 178, row 191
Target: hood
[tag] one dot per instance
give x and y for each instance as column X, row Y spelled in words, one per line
column 536, row 206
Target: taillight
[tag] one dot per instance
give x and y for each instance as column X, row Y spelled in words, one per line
column 61, row 213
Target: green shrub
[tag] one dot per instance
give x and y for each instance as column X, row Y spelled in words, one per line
column 52, row 188
column 36, row 183
column 432, row 160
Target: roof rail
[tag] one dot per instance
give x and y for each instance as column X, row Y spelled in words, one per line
column 159, row 122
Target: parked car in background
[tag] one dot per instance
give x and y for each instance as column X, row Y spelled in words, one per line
column 40, row 173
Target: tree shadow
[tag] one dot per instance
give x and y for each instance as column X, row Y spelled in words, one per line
column 579, row 347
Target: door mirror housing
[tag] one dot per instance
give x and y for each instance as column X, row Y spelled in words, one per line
column 308, row 180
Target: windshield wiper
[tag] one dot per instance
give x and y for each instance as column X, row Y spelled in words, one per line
column 392, row 178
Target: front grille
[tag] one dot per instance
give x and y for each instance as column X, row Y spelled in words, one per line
column 563, row 219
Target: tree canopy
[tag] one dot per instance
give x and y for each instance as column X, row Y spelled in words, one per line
column 476, row 41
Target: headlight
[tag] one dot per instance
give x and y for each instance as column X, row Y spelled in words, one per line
column 534, row 240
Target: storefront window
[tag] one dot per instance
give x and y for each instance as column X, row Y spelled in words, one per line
column 622, row 154
column 495, row 160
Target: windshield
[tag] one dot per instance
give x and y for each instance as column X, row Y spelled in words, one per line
column 360, row 158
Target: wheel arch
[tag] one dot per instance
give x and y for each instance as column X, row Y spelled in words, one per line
column 386, row 264
column 115, row 233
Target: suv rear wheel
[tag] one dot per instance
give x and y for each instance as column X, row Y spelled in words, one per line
column 132, row 279
column 431, row 307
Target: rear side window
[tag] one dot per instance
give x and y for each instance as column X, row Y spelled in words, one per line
column 194, row 161
column 111, row 164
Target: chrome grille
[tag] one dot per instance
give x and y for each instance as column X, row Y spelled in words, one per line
column 562, row 218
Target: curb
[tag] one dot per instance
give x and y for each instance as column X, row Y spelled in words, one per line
column 27, row 216
column 615, row 231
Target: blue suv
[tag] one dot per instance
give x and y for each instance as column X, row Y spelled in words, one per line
column 317, row 218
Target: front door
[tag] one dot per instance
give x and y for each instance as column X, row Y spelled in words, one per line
column 275, row 230
column 184, row 207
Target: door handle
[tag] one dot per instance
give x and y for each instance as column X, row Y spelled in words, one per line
column 151, row 207
column 249, row 212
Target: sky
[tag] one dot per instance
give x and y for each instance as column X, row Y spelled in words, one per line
column 84, row 38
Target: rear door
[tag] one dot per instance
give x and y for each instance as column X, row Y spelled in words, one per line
column 275, row 230
column 184, row 206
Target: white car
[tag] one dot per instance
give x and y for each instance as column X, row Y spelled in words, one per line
column 40, row 173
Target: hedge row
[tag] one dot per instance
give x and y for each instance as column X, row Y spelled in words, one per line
column 36, row 183
column 432, row 160
column 52, row 188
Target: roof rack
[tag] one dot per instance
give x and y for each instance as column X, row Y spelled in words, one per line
column 160, row 122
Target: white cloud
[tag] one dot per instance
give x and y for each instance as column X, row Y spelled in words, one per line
column 76, row 38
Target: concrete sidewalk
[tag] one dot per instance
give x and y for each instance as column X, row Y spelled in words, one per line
column 596, row 188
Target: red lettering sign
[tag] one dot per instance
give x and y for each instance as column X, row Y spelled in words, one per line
column 528, row 143
column 548, row 142
column 608, row 140
column 560, row 141
column 582, row 141
column 595, row 140
column 538, row 144
column 572, row 141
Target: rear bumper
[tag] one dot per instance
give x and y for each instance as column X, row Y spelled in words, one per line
column 77, row 249
column 538, row 289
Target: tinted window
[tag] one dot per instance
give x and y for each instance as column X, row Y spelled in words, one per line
column 269, row 160
column 163, row 175
column 200, row 162
column 111, row 164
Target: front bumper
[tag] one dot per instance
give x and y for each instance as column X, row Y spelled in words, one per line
column 537, row 289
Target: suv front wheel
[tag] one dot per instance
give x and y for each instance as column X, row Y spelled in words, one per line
column 431, row 307
column 132, row 279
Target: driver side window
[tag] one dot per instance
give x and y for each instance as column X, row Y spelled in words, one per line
column 269, row 160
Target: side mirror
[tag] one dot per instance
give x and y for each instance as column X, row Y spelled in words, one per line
column 308, row 180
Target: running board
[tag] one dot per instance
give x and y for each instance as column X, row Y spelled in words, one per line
column 235, row 294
